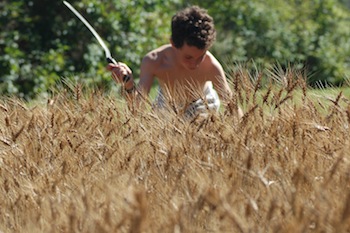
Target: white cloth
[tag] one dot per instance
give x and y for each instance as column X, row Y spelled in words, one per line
column 202, row 106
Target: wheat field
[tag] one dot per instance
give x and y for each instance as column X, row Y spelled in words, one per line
column 80, row 161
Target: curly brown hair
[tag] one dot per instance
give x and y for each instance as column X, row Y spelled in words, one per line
column 194, row 26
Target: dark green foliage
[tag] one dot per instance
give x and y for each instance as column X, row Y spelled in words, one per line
column 309, row 35
column 41, row 41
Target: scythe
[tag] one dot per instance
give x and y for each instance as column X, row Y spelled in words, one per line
column 108, row 55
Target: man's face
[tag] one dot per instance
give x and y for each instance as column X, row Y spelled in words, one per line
column 190, row 57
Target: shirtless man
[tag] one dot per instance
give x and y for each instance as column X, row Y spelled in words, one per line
column 184, row 67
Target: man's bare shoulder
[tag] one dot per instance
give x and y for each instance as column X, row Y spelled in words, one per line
column 212, row 61
column 157, row 56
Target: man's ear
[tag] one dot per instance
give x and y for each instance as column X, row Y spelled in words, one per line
column 172, row 42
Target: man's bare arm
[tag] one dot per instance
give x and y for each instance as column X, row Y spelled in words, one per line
column 221, row 85
column 134, row 93
column 218, row 77
column 147, row 71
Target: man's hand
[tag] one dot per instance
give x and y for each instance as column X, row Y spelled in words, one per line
column 119, row 72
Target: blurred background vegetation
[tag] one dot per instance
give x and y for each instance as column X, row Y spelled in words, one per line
column 42, row 42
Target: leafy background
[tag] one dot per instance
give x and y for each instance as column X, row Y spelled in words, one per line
column 42, row 42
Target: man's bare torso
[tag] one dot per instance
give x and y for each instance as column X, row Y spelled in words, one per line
column 175, row 79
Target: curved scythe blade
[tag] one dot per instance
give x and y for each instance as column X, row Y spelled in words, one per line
column 92, row 30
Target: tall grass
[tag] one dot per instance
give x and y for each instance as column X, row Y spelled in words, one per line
column 82, row 162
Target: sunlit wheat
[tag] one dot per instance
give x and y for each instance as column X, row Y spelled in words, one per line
column 81, row 161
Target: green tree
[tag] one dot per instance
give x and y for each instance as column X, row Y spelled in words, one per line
column 311, row 35
column 42, row 41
